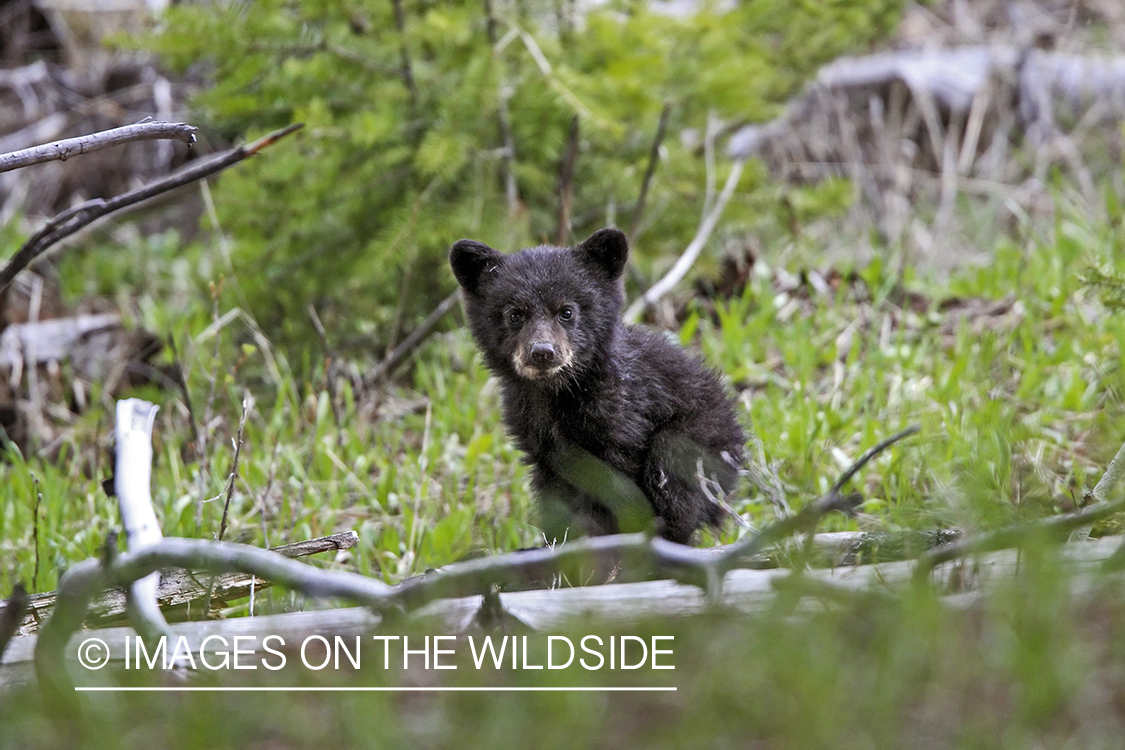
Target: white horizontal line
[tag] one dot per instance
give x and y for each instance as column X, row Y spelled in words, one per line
column 295, row 689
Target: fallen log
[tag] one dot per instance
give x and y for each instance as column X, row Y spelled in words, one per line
column 963, row 582
column 181, row 592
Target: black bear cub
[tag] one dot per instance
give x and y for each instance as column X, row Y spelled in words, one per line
column 619, row 424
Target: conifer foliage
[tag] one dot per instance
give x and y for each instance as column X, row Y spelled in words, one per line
column 430, row 121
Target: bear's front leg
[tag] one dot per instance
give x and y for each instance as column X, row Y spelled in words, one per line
column 567, row 513
column 674, row 469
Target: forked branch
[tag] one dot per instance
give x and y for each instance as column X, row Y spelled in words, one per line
column 81, row 216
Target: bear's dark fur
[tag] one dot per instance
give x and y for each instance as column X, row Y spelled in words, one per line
column 614, row 418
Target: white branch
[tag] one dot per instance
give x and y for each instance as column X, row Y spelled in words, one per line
column 678, row 271
column 85, row 144
column 132, row 477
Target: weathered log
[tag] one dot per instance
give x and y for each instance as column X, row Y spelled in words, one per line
column 181, row 592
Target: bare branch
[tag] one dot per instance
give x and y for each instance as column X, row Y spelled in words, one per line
column 566, row 182
column 1112, row 474
column 680, row 269
column 63, row 150
column 650, row 170
column 1019, row 535
column 233, row 468
column 131, row 479
column 411, row 342
column 871, row 453
column 81, row 216
column 811, row 514
column 180, row 589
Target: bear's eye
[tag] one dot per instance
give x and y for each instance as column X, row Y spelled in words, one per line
column 567, row 313
column 515, row 317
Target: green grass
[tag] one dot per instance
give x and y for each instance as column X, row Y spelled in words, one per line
column 1018, row 411
column 1020, row 414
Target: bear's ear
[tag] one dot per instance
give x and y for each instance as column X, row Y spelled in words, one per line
column 469, row 260
column 606, row 251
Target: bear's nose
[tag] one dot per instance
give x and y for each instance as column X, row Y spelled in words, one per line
column 543, row 353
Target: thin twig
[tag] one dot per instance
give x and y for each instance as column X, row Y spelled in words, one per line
column 411, row 342
column 233, row 469
column 650, row 170
column 811, row 514
column 871, row 453
column 85, row 144
column 81, row 216
column 35, row 530
column 230, row 494
column 566, row 183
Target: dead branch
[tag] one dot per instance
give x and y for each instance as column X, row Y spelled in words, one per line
column 234, row 467
column 81, row 216
column 65, row 149
column 41, row 341
column 411, row 342
column 1018, row 535
column 181, row 592
column 82, row 581
column 1110, row 478
column 131, row 478
column 811, row 514
column 566, row 182
column 640, row 554
column 694, row 248
column 650, row 170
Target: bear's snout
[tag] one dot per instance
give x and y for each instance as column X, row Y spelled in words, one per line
column 543, row 354
column 543, row 351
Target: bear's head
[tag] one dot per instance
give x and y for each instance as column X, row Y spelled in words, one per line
column 545, row 314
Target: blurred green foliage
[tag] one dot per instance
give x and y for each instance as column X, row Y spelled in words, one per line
column 356, row 215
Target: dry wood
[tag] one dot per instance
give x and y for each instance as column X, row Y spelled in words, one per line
column 691, row 253
column 81, row 216
column 745, row 591
column 48, row 340
column 181, row 592
column 132, row 477
column 650, row 170
column 65, row 149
